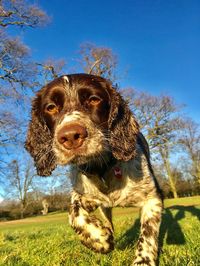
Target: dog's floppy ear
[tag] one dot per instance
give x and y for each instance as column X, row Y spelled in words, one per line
column 123, row 128
column 39, row 141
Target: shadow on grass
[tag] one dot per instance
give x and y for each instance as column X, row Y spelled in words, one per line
column 170, row 228
column 130, row 237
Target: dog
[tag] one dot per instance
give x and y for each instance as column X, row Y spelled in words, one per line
column 82, row 120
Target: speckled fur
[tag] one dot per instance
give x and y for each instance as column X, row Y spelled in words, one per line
column 117, row 145
column 135, row 188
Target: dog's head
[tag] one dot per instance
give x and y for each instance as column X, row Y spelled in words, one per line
column 79, row 118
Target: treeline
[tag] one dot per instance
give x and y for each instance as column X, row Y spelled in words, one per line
column 174, row 139
column 37, row 204
column 185, row 186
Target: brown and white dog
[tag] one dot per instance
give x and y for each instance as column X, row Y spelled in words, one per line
column 82, row 120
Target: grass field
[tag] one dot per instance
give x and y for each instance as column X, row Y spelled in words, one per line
column 49, row 240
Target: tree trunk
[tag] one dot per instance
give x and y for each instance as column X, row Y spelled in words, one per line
column 197, row 170
column 169, row 174
column 172, row 184
column 22, row 209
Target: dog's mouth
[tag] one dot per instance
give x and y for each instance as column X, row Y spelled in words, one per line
column 79, row 156
column 69, row 156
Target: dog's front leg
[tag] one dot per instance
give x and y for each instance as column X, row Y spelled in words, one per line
column 147, row 246
column 107, row 215
column 91, row 230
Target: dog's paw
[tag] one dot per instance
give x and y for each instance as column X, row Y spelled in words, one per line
column 96, row 236
column 91, row 230
column 99, row 240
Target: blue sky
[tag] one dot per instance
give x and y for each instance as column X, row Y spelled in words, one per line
column 158, row 41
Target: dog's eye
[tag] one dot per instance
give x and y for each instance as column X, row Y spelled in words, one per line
column 51, row 108
column 94, row 100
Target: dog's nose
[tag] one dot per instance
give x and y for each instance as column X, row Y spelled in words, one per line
column 72, row 136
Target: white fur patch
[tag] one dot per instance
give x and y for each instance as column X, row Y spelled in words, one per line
column 74, row 116
column 66, row 78
column 150, row 207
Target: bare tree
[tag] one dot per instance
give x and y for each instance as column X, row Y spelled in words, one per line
column 19, row 182
column 190, row 141
column 16, row 68
column 99, row 61
column 17, row 71
column 50, row 69
column 159, row 120
column 21, row 13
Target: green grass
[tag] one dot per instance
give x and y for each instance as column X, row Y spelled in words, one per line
column 49, row 240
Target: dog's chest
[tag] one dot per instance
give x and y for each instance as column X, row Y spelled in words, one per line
column 124, row 184
column 128, row 183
